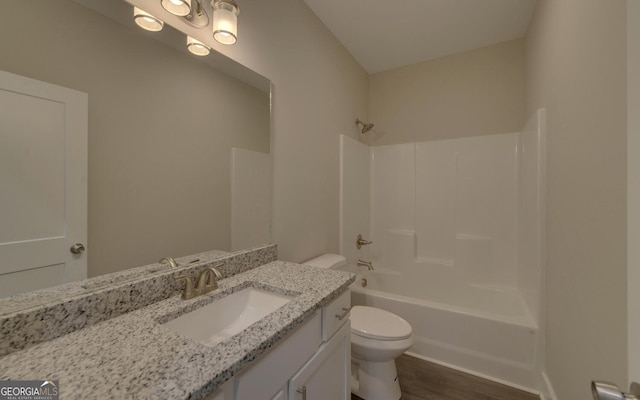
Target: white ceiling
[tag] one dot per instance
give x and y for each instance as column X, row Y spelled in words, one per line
column 387, row 34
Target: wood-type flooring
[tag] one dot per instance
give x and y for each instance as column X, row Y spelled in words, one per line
column 422, row 380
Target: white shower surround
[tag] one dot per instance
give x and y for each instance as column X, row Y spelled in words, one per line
column 449, row 202
column 457, row 231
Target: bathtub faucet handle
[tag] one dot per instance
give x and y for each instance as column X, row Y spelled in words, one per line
column 361, row 242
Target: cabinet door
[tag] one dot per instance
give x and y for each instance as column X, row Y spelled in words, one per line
column 326, row 375
column 281, row 395
column 224, row 392
column 269, row 374
column 217, row 395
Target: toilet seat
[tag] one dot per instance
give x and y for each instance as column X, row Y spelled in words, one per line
column 377, row 324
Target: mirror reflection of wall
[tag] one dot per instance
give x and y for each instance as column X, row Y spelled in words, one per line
column 161, row 128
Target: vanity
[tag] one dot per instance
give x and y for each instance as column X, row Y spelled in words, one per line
column 300, row 350
column 312, row 363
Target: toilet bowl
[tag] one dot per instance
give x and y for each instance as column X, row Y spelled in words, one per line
column 378, row 337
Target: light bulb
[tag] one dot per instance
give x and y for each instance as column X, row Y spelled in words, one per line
column 225, row 21
column 197, row 47
column 177, row 7
column 147, row 21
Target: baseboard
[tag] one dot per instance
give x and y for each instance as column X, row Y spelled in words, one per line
column 478, row 363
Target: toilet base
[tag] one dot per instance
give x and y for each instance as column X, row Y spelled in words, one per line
column 374, row 380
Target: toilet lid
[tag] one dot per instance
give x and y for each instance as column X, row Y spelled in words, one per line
column 374, row 323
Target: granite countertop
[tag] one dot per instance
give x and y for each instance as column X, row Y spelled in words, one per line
column 134, row 356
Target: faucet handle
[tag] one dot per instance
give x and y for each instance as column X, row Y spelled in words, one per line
column 216, row 271
column 188, row 292
column 207, row 281
column 170, row 261
column 361, row 242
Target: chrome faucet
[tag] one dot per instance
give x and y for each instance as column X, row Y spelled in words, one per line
column 368, row 264
column 207, row 282
column 170, row 261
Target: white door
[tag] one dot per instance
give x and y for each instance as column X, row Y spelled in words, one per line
column 633, row 186
column 633, row 206
column 43, row 184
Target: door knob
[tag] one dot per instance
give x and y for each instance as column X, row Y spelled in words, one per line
column 609, row 391
column 77, row 248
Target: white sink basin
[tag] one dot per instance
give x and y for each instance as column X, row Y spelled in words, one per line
column 213, row 323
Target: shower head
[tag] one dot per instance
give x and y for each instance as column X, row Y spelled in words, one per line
column 365, row 127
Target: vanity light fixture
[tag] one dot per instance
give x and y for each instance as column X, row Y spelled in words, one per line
column 197, row 17
column 225, row 21
column 197, row 47
column 146, row 20
column 177, row 7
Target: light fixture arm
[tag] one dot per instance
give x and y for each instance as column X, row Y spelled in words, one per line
column 198, row 17
column 231, row 3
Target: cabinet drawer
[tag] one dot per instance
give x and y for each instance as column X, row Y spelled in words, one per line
column 335, row 314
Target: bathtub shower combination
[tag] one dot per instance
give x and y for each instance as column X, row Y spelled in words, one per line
column 479, row 329
column 456, row 228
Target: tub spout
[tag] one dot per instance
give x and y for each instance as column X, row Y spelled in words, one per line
column 368, row 264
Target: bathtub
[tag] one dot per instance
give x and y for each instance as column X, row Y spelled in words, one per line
column 487, row 331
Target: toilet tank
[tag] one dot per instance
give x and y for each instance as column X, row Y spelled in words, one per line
column 331, row 261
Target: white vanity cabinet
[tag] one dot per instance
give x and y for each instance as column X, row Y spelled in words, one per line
column 314, row 361
column 326, row 375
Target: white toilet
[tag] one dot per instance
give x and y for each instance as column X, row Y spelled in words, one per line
column 378, row 337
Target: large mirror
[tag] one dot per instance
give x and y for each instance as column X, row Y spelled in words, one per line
column 172, row 140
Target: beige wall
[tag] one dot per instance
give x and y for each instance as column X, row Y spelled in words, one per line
column 576, row 69
column 479, row 92
column 318, row 91
column 161, row 126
